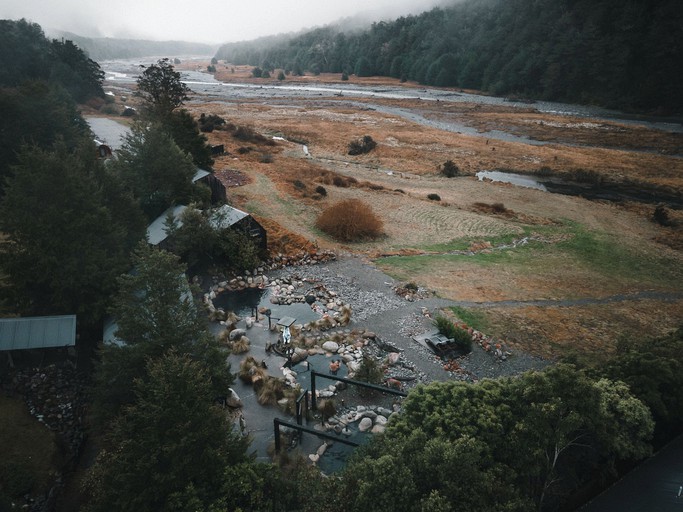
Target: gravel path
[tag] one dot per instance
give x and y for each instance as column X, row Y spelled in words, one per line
column 377, row 308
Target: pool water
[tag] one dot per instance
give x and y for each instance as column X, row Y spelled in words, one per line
column 244, row 302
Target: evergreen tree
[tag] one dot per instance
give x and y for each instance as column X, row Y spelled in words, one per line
column 156, row 171
column 68, row 230
column 170, row 448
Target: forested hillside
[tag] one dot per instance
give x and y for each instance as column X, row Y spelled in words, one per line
column 103, row 48
column 622, row 54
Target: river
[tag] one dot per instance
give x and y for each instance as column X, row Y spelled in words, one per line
column 203, row 83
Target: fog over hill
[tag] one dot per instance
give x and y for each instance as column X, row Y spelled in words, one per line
column 209, row 21
column 104, row 48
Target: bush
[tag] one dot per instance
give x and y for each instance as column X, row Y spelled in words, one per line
column 661, row 216
column 434, row 197
column 339, row 181
column 344, row 77
column 256, row 72
column 449, row 169
column 461, row 337
column 266, row 158
column 362, row 145
column 350, row 220
column 321, row 190
column 209, row 123
column 246, row 134
column 369, row 371
column 299, row 184
column 281, row 75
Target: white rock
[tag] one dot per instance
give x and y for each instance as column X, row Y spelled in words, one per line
column 249, row 322
column 378, row 429
column 236, row 334
column 233, row 399
column 331, row 346
column 393, row 357
column 314, row 457
column 365, row 424
column 381, row 420
column 321, row 449
column 353, row 366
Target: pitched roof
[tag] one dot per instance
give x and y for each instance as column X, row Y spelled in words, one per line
column 156, row 231
column 226, row 216
column 37, row 332
column 201, row 173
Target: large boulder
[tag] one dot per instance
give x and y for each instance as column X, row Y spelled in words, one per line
column 233, row 399
column 365, row 424
column 331, row 346
column 236, row 334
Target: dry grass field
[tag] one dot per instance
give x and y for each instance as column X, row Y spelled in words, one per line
column 577, row 248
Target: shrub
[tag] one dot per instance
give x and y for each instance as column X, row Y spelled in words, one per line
column 266, row 158
column 209, row 123
column 350, row 220
column 281, row 75
column 339, row 181
column 299, row 184
column 246, row 134
column 211, row 68
column 265, row 74
column 434, row 197
column 449, row 169
column 661, row 216
column 461, row 337
column 256, row 72
column 321, row 190
column 369, row 371
column 362, row 145
column 344, row 77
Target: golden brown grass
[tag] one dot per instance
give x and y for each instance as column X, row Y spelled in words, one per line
column 350, row 220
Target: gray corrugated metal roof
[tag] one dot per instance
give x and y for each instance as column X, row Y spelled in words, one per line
column 156, row 231
column 37, row 332
column 201, row 173
column 226, row 216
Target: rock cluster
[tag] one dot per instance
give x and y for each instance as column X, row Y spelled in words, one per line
column 301, row 258
column 362, row 418
column 497, row 348
column 55, row 396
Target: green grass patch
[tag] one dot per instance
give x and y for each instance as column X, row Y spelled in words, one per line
column 607, row 254
column 600, row 253
column 474, row 318
column 462, row 244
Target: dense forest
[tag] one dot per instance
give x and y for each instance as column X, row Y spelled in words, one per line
column 614, row 53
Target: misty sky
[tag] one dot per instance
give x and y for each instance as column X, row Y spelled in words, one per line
column 207, row 21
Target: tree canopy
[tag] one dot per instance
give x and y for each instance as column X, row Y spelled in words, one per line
column 169, row 449
column 604, row 52
column 509, row 444
column 155, row 312
column 161, row 90
column 69, row 229
column 153, row 167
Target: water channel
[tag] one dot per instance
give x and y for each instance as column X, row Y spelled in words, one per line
column 127, row 70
